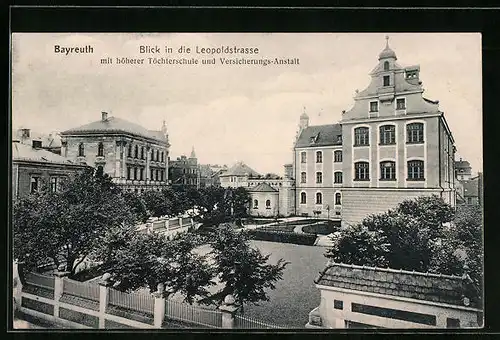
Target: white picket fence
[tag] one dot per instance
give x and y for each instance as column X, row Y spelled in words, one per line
column 186, row 313
column 245, row 322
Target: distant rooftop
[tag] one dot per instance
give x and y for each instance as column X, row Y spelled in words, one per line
column 116, row 125
column 320, row 135
column 23, row 152
column 262, row 187
column 240, row 169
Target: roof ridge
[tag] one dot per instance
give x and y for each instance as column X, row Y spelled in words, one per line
column 390, row 270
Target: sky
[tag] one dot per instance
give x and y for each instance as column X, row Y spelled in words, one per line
column 231, row 113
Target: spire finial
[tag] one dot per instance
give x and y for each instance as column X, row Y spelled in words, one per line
column 386, row 41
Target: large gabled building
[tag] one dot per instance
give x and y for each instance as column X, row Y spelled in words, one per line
column 135, row 157
column 393, row 144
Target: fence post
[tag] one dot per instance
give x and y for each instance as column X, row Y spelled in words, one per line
column 59, row 276
column 104, row 284
column 17, row 284
column 167, row 221
column 228, row 309
column 180, row 222
column 159, row 308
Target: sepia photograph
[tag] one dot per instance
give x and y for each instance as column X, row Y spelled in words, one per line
column 250, row 181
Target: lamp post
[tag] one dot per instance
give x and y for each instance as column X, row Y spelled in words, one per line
column 328, row 210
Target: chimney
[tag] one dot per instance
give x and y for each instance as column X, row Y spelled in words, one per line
column 37, row 144
column 104, row 116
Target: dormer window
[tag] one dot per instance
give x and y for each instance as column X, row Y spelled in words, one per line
column 312, row 140
column 386, row 66
column 386, row 81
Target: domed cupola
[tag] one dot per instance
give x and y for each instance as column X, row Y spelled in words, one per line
column 387, row 52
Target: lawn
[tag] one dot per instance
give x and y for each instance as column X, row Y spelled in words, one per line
column 295, row 295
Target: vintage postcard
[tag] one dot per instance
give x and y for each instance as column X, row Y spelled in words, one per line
column 247, row 180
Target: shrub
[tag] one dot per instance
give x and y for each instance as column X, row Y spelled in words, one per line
column 282, row 237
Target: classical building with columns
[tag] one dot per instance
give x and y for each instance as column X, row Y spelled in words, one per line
column 393, row 144
column 135, row 157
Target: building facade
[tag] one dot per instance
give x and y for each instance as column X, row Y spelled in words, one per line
column 136, row 158
column 463, row 170
column 393, row 144
column 35, row 169
column 185, row 171
column 364, row 297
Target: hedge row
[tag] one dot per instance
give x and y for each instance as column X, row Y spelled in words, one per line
column 282, row 237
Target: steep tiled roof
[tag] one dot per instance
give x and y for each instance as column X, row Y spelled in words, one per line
column 28, row 153
column 414, row 285
column 240, row 169
column 323, row 135
column 114, row 124
column 263, row 187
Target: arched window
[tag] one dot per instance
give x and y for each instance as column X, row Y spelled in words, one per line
column 338, row 198
column 386, row 66
column 135, row 173
column 142, row 152
column 136, row 152
column 130, row 150
column 361, row 136
column 319, row 198
column 303, row 198
column 415, row 133
column 387, row 171
column 303, row 157
column 157, row 155
column 162, row 157
column 255, row 204
column 319, row 157
column 100, row 149
column 415, row 170
column 303, row 177
column 337, row 156
column 361, row 171
column 81, row 150
column 268, row 204
column 337, row 177
column 319, row 177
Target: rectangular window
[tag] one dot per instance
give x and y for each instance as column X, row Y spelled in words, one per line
column 373, row 106
column 338, row 304
column 337, row 177
column 452, row 323
column 361, row 171
column 401, row 104
column 387, row 171
column 386, row 81
column 128, row 172
column 469, row 200
column 157, row 174
column 53, row 184
column 152, row 175
column 425, row 319
column 337, row 156
column 141, row 175
column 387, row 135
column 319, row 157
column 319, row 177
column 416, row 170
column 361, row 136
column 162, row 175
column 303, row 157
column 303, row 177
column 35, row 184
column 303, row 198
column 135, row 173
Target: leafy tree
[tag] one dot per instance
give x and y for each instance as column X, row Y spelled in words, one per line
column 67, row 226
column 243, row 270
column 417, row 235
column 150, row 259
column 137, row 206
column 156, row 203
column 240, row 199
